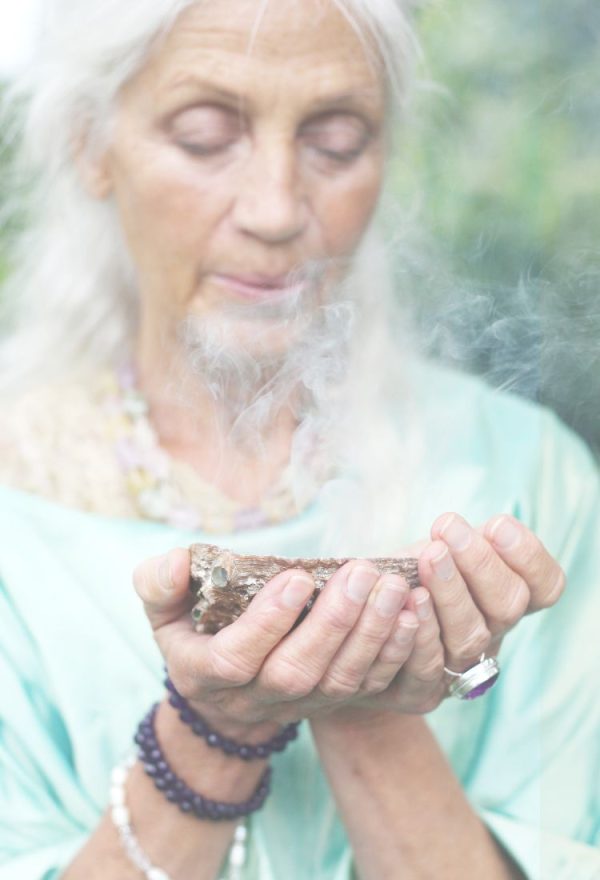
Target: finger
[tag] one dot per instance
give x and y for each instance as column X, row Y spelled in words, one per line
column 426, row 662
column 526, row 555
column 464, row 629
column 421, row 680
column 500, row 593
column 202, row 664
column 359, row 650
column 162, row 584
column 234, row 655
column 394, row 653
column 297, row 666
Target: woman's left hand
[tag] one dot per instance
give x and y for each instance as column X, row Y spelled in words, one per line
column 477, row 584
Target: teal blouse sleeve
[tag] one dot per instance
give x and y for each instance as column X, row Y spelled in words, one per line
column 37, row 832
column 78, row 668
column 536, row 781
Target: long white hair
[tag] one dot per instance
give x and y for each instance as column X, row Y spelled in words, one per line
column 70, row 299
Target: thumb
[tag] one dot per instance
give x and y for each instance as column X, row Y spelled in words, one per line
column 162, row 583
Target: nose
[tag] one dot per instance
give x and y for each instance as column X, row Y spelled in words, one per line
column 270, row 204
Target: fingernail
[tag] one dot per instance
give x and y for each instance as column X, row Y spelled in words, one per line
column 389, row 600
column 443, row 565
column 505, row 533
column 164, row 575
column 423, row 609
column 360, row 583
column 457, row 534
column 296, row 593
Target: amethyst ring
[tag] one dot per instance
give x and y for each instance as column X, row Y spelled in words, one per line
column 474, row 682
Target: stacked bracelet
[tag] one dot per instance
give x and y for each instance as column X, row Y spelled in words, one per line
column 121, row 818
column 178, row 792
column 246, row 751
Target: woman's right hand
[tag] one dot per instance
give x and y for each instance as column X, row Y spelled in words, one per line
column 355, row 639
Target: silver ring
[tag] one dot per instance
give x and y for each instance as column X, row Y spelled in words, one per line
column 474, row 682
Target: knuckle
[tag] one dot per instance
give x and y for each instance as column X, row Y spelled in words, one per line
column 374, row 684
column 285, row 679
column 230, row 668
column 475, row 643
column 432, row 668
column 394, row 653
column 483, row 561
column 267, row 624
column 337, row 685
column 556, row 592
column 337, row 619
column 532, row 553
column 454, row 598
column 372, row 636
column 515, row 607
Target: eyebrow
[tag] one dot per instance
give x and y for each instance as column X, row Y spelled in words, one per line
column 206, row 85
column 341, row 100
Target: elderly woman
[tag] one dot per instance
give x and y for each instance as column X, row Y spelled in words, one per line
column 204, row 349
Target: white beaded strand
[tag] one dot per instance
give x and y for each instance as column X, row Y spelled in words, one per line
column 121, row 818
column 237, row 853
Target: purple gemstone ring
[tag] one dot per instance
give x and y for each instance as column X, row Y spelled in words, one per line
column 474, row 682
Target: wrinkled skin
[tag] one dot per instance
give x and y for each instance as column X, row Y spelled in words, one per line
column 345, row 655
column 229, row 161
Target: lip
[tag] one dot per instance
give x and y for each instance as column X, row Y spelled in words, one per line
column 257, row 287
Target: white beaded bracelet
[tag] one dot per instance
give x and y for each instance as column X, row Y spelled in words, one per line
column 122, row 821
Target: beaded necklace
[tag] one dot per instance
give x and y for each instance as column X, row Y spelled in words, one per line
column 159, row 494
column 171, row 491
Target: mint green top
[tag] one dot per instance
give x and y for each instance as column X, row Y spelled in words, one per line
column 78, row 665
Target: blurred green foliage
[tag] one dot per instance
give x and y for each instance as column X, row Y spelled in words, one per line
column 503, row 142
column 500, row 163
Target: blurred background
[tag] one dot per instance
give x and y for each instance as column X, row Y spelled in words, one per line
column 498, row 173
column 500, row 163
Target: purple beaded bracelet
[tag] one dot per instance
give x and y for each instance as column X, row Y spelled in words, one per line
column 246, row 751
column 175, row 789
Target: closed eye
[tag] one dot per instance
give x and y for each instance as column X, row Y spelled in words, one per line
column 197, row 149
column 342, row 157
column 341, row 137
column 205, row 130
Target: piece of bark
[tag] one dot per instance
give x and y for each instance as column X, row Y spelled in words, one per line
column 224, row 583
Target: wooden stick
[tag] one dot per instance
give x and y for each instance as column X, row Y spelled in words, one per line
column 224, row 583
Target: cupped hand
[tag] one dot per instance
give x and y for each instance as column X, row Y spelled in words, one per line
column 477, row 584
column 258, row 669
column 354, row 651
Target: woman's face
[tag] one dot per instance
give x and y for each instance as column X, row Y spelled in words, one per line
column 232, row 167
